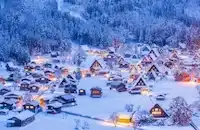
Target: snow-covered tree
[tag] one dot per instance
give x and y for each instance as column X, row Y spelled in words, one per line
column 180, row 112
column 85, row 126
column 129, row 107
column 77, row 124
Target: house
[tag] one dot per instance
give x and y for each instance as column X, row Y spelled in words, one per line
column 7, row 104
column 127, row 54
column 70, row 89
column 158, row 112
column 183, row 76
column 12, row 96
column 118, row 86
column 63, row 83
column 144, row 50
column 42, row 80
column 125, row 118
column 37, row 74
column 65, row 100
column 96, row 66
column 24, row 86
column 81, row 92
column 124, row 65
column 152, row 57
column 134, row 56
column 169, row 64
column 154, row 52
column 22, row 119
column 34, row 88
column 96, row 92
column 4, row 91
column 133, row 69
column 145, row 60
column 154, row 68
column 32, row 106
column 54, row 54
column 54, row 108
column 27, row 79
column 70, row 77
column 29, row 68
column 48, row 65
column 152, row 75
column 140, row 82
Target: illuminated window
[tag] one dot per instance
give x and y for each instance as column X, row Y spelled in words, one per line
column 156, row 111
column 27, row 107
column 34, row 88
column 31, row 107
column 81, row 91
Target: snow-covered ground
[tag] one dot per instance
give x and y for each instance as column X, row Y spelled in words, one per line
column 63, row 122
column 113, row 101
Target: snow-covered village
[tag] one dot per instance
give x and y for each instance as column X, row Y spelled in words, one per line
column 121, row 87
column 99, row 64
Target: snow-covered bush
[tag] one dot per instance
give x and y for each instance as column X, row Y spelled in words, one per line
column 129, row 107
column 85, row 126
column 180, row 112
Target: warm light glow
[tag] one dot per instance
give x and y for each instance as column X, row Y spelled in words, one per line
column 40, row 60
column 145, row 91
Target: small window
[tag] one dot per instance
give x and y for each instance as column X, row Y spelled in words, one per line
column 27, row 107
column 31, row 107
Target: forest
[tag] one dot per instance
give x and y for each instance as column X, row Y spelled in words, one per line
column 30, row 26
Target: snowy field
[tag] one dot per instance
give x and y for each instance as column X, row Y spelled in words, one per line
column 113, row 101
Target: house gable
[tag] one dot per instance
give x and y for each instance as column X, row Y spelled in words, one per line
column 158, row 112
column 96, row 64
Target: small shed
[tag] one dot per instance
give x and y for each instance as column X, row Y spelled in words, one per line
column 125, row 118
column 54, row 108
column 22, row 119
column 81, row 92
column 96, row 92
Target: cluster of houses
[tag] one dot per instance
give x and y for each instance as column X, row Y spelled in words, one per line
column 127, row 69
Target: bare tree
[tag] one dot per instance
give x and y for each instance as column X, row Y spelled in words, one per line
column 77, row 122
column 85, row 126
column 113, row 118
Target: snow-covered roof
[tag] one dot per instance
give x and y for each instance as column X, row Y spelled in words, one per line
column 34, row 103
column 138, row 79
column 24, row 115
column 152, row 56
column 124, row 115
column 55, row 104
column 68, row 96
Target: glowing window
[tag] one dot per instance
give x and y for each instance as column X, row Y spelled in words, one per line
column 31, row 107
column 27, row 107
